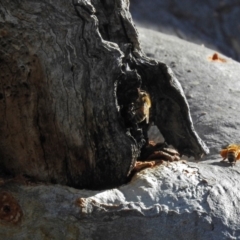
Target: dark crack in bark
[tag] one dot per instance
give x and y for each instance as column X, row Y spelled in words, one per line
column 83, row 127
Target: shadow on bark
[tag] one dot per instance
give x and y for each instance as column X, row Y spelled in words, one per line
column 90, row 67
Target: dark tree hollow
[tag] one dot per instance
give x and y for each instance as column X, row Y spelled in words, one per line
column 66, row 72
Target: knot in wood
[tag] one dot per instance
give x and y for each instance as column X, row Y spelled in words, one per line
column 10, row 210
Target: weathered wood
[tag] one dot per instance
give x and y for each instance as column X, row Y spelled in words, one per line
column 61, row 66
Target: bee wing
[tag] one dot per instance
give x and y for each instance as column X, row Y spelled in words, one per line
column 236, row 146
column 146, row 112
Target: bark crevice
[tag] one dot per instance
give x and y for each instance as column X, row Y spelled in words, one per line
column 81, row 96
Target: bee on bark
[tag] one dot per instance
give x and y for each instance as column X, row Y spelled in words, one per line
column 231, row 153
column 141, row 106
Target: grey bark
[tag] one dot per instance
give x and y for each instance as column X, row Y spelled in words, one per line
column 214, row 24
column 211, row 87
column 61, row 68
column 171, row 201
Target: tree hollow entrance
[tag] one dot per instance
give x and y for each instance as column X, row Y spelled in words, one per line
column 72, row 75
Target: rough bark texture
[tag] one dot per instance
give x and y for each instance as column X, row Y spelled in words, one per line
column 171, row 201
column 62, row 65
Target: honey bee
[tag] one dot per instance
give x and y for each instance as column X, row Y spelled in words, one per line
column 231, row 153
column 141, row 107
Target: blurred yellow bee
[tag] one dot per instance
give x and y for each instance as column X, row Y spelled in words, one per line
column 141, row 107
column 231, row 153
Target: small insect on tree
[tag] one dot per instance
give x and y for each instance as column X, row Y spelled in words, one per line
column 72, row 74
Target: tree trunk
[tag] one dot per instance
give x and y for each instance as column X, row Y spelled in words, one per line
column 67, row 70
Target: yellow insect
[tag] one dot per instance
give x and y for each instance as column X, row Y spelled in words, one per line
column 141, row 107
column 231, row 153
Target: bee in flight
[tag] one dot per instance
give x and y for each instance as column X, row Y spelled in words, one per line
column 141, row 107
column 231, row 153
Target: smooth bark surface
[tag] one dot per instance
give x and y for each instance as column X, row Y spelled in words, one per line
column 214, row 24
